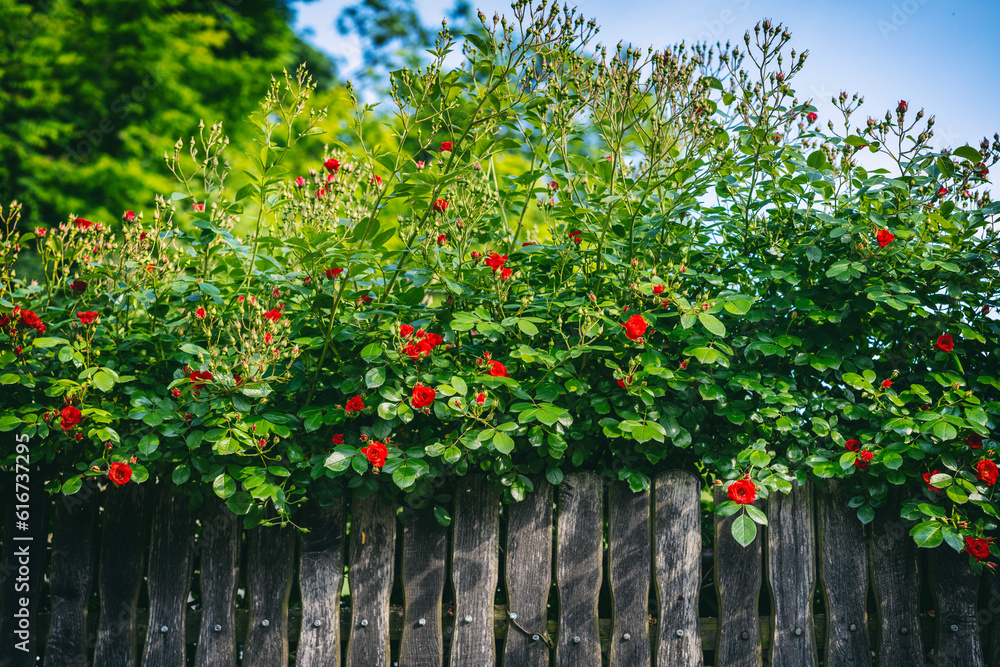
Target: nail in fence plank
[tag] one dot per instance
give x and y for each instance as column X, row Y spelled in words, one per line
column 677, row 535
column 629, row 559
column 579, row 553
column 169, row 577
column 528, row 577
column 738, row 575
column 475, row 563
column 843, row 570
column 321, row 578
column 425, row 549
column 25, row 539
column 270, row 556
column 896, row 583
column 70, row 577
column 124, row 542
column 219, row 548
column 955, row 588
column 370, row 572
column 791, row 573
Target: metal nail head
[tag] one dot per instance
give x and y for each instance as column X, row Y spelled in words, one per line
column 164, row 628
column 852, row 627
column 576, row 640
column 217, row 628
column 798, row 632
column 450, row 630
column 468, row 619
column 422, row 621
column 534, row 638
column 679, row 633
column 903, row 631
column 626, row 636
column 364, row 622
column 954, row 628
column 317, row 623
column 265, row 622
column 745, row 635
column 513, row 616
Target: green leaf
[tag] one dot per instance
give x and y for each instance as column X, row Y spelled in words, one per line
column 103, row 381
column 927, row 534
column 224, row 486
column 503, row 443
column 240, row 503
column 866, row 514
column 371, row 352
column 404, row 476
column 442, row 515
column 149, row 443
column 945, row 431
column 527, row 327
column 969, row 153
column 9, row 422
column 739, row 305
column 72, row 485
column 554, row 476
column 756, row 515
column 712, row 323
column 181, row 474
column 459, row 384
column 375, row 377
column 744, row 530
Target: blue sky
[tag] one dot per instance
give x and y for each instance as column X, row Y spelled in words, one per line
column 940, row 55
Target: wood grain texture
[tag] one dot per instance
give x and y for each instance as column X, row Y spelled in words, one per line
column 528, row 577
column 791, row 572
column 892, row 558
column 218, row 546
column 843, row 571
column 677, row 564
column 579, row 554
column 124, row 542
column 70, row 577
column 738, row 572
column 474, row 572
column 955, row 588
column 370, row 572
column 270, row 559
column 321, row 578
column 169, row 578
column 629, row 574
column 425, row 551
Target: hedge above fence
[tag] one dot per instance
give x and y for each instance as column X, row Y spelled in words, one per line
column 560, row 258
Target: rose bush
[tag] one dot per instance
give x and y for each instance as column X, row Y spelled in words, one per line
column 567, row 258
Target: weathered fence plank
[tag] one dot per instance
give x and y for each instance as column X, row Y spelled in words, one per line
column 677, row 534
column 843, row 570
column 370, row 572
column 425, row 550
column 955, row 588
column 219, row 549
column 579, row 553
column 528, row 578
column 321, row 577
column 169, row 578
column 70, row 577
column 474, row 571
column 270, row 557
column 629, row 558
column 124, row 542
column 791, row 572
column 737, row 581
column 896, row 583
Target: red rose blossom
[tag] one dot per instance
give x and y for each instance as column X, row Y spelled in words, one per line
column 441, row 205
column 861, row 463
column 274, row 315
column 902, row 107
column 332, row 273
column 87, row 317
column 418, row 349
column 495, row 261
column 200, row 313
column 119, row 473
column 434, row 340
column 376, row 181
column 657, row 289
column 32, row 321
column 337, row 439
column 355, row 404
column 71, row 416
column 974, row 441
column 977, row 547
column 742, row 491
column 886, row 384
column 376, row 454
column 422, row 396
column 496, row 369
column 942, row 191
column 405, row 330
column 198, row 378
column 129, row 216
column 78, row 287
column 480, row 398
column 506, row 273
column 945, row 343
column 885, row 237
column 82, row 223
column 927, row 479
column 986, row 471
column 811, row 116
column 446, row 146
column 332, row 165
column 176, row 393
column 635, row 327
column 853, row 445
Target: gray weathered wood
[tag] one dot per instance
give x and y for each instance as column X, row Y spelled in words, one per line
column 474, row 572
column 219, row 548
column 737, row 581
column 528, row 577
column 843, row 570
column 425, row 550
column 70, row 577
column 124, row 542
column 677, row 535
column 370, row 572
column 321, row 577
column 791, row 572
column 629, row 559
column 169, row 578
column 270, row 559
column 955, row 588
column 896, row 582
column 579, row 554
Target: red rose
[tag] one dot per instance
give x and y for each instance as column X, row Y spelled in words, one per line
column 405, row 330
column 176, row 393
column 852, row 445
column 528, row 243
column 338, row 438
column 376, row 453
column 364, row 298
column 200, row 208
column 986, row 471
column 376, row 180
column 981, row 170
column 480, row 398
column 71, row 416
column 497, row 369
column 977, row 547
column 657, row 289
column 742, row 491
column 445, row 146
column 320, row 193
column 506, row 273
column 332, row 165
column 78, row 287
column 300, row 182
column 82, row 223
column 945, row 343
column 927, row 479
column 902, row 107
column 441, row 205
column 635, row 327
column 274, row 315
column 129, row 216
column 198, row 378
column 355, row 404
column 434, row 340
column 31, row 320
column 422, row 396
column 974, row 441
column 885, row 237
column 495, row 261
column 417, row 349
column 200, row 313
column 886, row 384
column 861, row 463
column 942, row 191
column 333, row 273
column 811, row 116
column 119, row 473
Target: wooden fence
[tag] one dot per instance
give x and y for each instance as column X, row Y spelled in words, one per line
column 579, row 574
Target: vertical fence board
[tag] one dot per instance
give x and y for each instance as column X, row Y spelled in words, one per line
column 896, row 583
column 169, row 578
column 955, row 588
column 475, row 563
column 270, row 556
column 791, row 573
column 219, row 548
column 737, row 581
column 843, row 569
column 124, row 541
column 425, row 549
column 69, row 577
column 579, row 552
column 370, row 572
column 321, row 577
column 528, row 577
column 677, row 534
column 629, row 570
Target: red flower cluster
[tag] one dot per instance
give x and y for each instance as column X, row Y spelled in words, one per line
column 376, row 454
column 978, row 547
column 441, row 205
column 884, row 237
column 575, row 235
column 945, row 343
column 70, row 417
column 198, row 378
column 332, row 273
column 635, row 327
column 864, row 458
column 422, row 396
column 986, row 471
column 30, row 320
column 742, row 491
column 82, row 223
column 274, row 315
column 78, row 286
column 423, row 342
column 495, row 261
column 87, row 317
column 355, row 404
